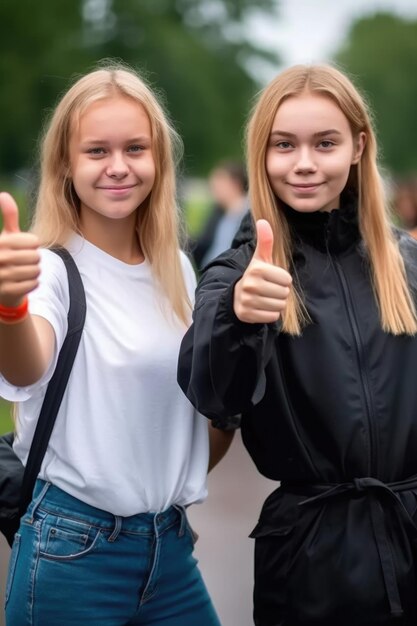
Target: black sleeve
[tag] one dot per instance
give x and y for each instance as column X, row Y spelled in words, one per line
column 222, row 360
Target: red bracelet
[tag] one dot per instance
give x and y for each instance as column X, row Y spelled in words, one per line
column 14, row 314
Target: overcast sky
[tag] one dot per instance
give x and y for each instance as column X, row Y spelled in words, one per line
column 309, row 31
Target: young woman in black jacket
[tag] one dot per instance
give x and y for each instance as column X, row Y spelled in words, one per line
column 308, row 329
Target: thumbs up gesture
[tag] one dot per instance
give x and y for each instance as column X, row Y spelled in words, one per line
column 19, row 256
column 261, row 294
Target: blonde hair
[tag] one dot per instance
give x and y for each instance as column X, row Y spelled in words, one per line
column 56, row 212
column 397, row 311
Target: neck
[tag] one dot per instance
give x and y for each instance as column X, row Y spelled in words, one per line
column 333, row 231
column 118, row 238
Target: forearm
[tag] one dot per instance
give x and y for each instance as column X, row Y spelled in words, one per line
column 220, row 441
column 26, row 349
column 222, row 360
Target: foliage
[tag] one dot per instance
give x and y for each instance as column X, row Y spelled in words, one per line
column 36, row 49
column 381, row 55
column 193, row 50
column 6, row 421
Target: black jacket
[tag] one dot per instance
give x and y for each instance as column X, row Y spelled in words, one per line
column 333, row 415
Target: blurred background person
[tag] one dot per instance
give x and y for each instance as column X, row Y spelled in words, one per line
column 405, row 204
column 228, row 187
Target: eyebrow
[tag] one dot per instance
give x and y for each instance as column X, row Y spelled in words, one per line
column 102, row 142
column 322, row 133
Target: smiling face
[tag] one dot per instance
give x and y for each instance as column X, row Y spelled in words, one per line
column 310, row 152
column 111, row 160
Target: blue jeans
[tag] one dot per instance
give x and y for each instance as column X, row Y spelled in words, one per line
column 73, row 565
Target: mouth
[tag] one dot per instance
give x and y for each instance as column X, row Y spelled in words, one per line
column 305, row 187
column 117, row 191
column 116, row 187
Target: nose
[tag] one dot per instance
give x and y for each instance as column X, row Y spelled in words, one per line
column 117, row 166
column 305, row 161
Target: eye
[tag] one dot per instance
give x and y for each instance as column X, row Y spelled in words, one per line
column 283, row 145
column 326, row 143
column 135, row 148
column 96, row 151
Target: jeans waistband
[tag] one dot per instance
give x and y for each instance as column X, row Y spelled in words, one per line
column 52, row 499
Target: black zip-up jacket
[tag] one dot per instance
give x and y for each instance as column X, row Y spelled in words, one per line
column 331, row 414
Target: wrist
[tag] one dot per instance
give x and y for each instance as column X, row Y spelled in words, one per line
column 14, row 314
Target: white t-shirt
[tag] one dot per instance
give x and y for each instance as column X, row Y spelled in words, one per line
column 126, row 439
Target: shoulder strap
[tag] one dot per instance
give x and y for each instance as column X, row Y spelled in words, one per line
column 58, row 382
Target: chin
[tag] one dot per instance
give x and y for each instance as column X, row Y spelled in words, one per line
column 304, row 207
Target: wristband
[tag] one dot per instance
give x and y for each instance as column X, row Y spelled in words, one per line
column 14, row 314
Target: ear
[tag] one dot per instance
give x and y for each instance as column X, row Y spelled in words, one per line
column 359, row 147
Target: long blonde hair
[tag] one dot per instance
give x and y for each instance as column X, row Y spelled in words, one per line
column 56, row 212
column 397, row 311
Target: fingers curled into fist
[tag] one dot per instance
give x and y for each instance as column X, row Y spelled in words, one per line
column 261, row 294
column 19, row 256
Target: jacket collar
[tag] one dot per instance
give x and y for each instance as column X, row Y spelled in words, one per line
column 333, row 231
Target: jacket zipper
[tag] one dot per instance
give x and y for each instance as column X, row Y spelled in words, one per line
column 372, row 431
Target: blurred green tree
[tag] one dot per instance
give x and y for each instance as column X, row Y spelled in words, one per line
column 381, row 56
column 194, row 51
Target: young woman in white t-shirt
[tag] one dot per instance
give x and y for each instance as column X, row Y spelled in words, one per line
column 105, row 539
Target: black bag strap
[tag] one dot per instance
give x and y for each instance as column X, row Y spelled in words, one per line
column 59, row 380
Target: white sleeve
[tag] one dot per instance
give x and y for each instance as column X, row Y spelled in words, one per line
column 51, row 301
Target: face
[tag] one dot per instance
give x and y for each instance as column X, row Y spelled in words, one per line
column 111, row 160
column 310, row 152
column 405, row 208
column 224, row 189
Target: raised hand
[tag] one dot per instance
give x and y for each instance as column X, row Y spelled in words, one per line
column 19, row 256
column 261, row 294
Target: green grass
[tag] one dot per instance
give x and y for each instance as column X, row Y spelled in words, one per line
column 196, row 214
column 6, row 422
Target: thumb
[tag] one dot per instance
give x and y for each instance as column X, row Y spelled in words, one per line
column 265, row 241
column 10, row 213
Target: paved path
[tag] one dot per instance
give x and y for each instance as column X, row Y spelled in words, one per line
column 224, row 521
